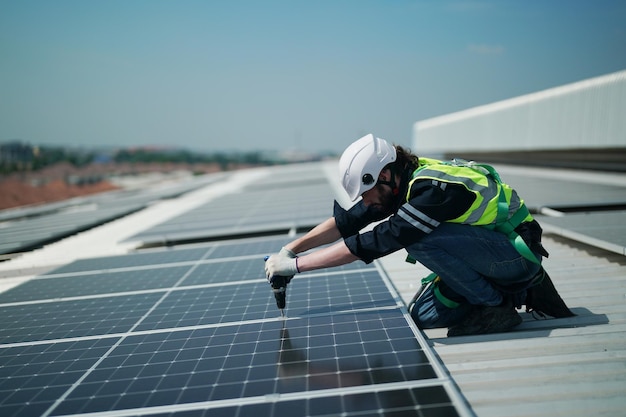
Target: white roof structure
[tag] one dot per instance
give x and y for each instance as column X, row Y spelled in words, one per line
column 585, row 114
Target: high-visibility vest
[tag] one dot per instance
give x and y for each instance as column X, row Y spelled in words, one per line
column 497, row 206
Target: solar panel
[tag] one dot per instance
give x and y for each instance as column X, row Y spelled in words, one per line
column 137, row 279
column 424, row 401
column 419, row 402
column 27, row 234
column 249, row 301
column 73, row 318
column 293, row 198
column 252, row 360
column 605, row 230
column 223, row 272
column 539, row 190
column 24, row 229
column 136, row 259
column 34, row 376
column 96, row 284
column 260, row 246
column 188, row 253
column 234, row 215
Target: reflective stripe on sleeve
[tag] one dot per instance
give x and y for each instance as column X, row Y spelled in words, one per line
column 417, row 219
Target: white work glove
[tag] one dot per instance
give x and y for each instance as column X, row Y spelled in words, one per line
column 281, row 264
column 286, row 252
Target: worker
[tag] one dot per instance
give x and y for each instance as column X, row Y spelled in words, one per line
column 457, row 218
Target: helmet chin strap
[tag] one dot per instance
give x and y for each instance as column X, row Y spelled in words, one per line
column 392, row 184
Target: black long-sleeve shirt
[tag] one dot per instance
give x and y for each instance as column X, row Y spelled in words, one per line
column 431, row 203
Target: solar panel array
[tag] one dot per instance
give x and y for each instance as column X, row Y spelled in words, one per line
column 585, row 211
column 193, row 330
column 27, row 228
column 606, row 230
column 293, row 197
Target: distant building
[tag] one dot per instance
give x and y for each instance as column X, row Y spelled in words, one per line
column 16, row 153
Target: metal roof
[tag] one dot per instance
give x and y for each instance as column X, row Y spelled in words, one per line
column 553, row 367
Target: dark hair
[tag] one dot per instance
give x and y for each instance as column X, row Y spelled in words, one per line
column 405, row 159
column 406, row 162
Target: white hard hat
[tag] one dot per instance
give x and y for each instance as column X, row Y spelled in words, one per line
column 361, row 163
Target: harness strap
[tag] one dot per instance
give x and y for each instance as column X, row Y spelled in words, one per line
column 507, row 227
column 444, row 300
column 434, row 278
column 430, row 278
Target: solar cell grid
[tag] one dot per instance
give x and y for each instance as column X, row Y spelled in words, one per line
column 132, row 260
column 211, row 305
column 404, row 402
column 225, row 272
column 254, row 210
column 291, row 176
column 540, row 192
column 243, row 269
column 258, row 246
column 250, row 360
column 321, row 294
column 74, row 318
column 214, row 250
column 606, row 229
column 33, row 377
column 327, row 293
column 94, row 284
column 21, row 235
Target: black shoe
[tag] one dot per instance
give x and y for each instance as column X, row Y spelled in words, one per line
column 486, row 319
column 542, row 298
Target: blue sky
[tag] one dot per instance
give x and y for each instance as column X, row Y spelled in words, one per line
column 279, row 75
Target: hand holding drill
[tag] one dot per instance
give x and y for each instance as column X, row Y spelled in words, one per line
column 279, row 270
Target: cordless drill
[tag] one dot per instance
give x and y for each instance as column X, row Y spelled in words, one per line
column 279, row 288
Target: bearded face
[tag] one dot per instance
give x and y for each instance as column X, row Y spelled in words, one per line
column 380, row 198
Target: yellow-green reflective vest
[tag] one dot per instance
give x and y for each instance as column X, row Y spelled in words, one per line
column 497, row 206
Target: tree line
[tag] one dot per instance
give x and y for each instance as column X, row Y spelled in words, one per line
column 19, row 157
